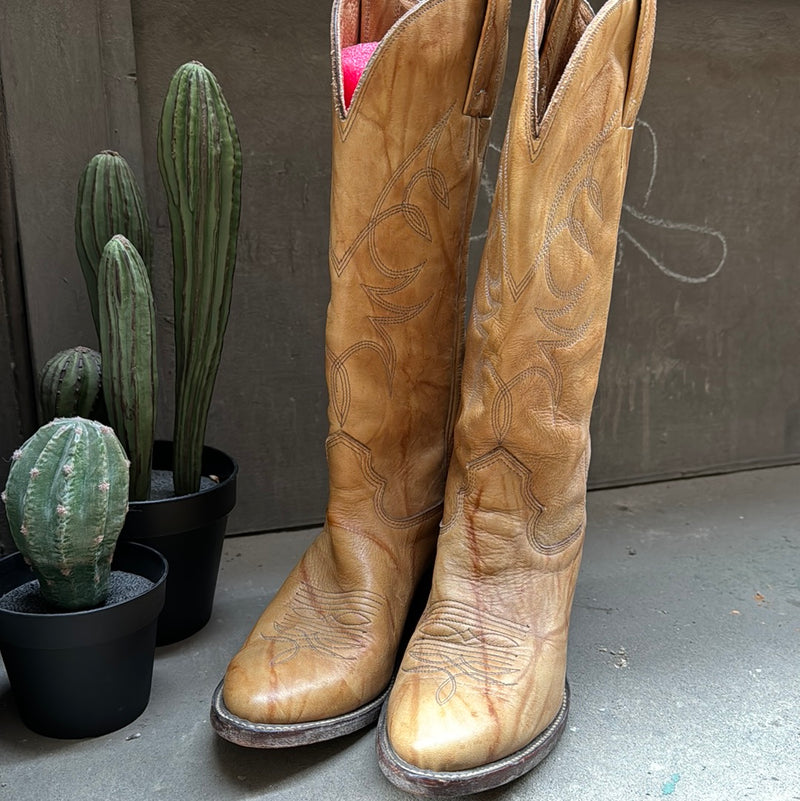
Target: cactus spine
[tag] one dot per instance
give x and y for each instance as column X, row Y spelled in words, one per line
column 200, row 160
column 70, row 384
column 128, row 348
column 66, row 500
column 109, row 202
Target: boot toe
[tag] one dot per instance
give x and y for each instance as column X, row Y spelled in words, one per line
column 260, row 690
column 459, row 735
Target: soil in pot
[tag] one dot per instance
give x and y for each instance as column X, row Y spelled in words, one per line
column 122, row 586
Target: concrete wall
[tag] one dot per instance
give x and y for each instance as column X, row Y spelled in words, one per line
column 701, row 367
column 700, row 370
column 269, row 410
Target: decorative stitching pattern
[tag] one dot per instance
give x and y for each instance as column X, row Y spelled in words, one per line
column 415, row 217
column 495, row 462
column 412, row 213
column 498, row 276
column 378, row 482
column 500, row 291
column 464, row 644
column 333, row 624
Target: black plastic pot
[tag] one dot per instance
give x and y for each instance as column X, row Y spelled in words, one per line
column 189, row 531
column 83, row 674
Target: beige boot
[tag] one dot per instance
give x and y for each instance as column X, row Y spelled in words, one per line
column 407, row 159
column 481, row 694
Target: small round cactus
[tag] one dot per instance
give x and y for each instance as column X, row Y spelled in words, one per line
column 70, row 384
column 66, row 500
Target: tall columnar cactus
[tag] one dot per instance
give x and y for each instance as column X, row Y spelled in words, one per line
column 201, row 165
column 109, row 202
column 70, row 384
column 128, row 348
column 66, row 500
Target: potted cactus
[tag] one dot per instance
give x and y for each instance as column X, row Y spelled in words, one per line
column 70, row 385
column 200, row 161
column 77, row 630
column 181, row 491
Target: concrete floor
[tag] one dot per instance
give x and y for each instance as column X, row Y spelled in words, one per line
column 684, row 666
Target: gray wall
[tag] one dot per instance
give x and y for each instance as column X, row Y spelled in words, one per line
column 701, row 367
column 269, row 409
column 700, row 371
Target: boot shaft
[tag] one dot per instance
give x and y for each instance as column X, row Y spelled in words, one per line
column 406, row 164
column 538, row 322
column 407, row 157
column 480, row 697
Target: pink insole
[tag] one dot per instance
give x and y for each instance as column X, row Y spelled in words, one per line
column 354, row 62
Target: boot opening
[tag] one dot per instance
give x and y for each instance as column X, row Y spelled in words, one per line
column 564, row 25
column 362, row 25
column 354, row 61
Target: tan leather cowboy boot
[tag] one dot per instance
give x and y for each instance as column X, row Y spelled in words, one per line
column 481, row 695
column 407, row 157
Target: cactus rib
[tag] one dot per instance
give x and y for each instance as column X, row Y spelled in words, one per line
column 200, row 160
column 109, row 202
column 128, row 348
column 66, row 500
column 70, row 384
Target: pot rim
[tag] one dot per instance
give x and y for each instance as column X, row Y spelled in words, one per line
column 209, row 453
column 85, row 625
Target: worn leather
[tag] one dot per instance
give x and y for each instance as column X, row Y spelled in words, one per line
column 406, row 166
column 484, row 672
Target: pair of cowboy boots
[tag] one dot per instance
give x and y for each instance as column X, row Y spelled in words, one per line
column 468, row 457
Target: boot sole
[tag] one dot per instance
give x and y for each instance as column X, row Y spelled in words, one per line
column 286, row 735
column 442, row 784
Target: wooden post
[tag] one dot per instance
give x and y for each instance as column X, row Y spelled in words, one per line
column 69, row 72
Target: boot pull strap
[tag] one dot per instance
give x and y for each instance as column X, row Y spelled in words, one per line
column 640, row 65
column 490, row 60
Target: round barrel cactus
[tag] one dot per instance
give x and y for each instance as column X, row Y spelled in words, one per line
column 70, row 384
column 109, row 202
column 66, row 500
column 200, row 160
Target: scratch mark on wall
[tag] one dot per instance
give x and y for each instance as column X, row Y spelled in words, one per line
column 638, row 213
